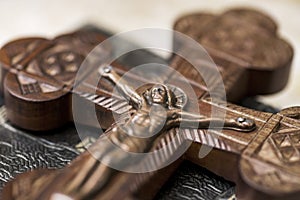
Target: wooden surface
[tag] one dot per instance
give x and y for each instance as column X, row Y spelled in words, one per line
column 248, row 154
column 37, row 75
column 49, row 19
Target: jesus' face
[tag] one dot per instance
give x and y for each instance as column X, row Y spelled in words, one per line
column 159, row 94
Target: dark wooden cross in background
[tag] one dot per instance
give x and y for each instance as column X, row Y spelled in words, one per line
column 38, row 76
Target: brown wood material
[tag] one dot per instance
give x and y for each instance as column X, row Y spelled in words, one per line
column 246, row 39
column 37, row 75
column 264, row 163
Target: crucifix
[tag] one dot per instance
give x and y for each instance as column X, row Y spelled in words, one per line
column 258, row 151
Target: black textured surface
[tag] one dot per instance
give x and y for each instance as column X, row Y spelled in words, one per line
column 194, row 182
column 66, row 135
column 20, row 152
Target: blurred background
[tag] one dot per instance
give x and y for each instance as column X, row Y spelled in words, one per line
column 50, row 18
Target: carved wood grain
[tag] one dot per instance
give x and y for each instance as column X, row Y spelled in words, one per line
column 244, row 158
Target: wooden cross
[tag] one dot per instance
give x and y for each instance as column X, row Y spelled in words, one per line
column 258, row 151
